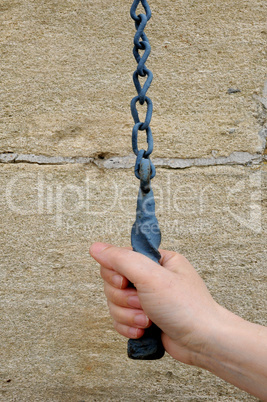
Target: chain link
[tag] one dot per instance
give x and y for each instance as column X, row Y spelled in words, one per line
column 141, row 43
column 145, row 234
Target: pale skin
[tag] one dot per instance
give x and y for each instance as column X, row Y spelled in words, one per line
column 195, row 329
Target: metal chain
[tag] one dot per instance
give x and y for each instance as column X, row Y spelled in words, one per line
column 145, row 235
column 141, row 43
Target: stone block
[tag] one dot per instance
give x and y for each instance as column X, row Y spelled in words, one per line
column 57, row 340
column 67, row 66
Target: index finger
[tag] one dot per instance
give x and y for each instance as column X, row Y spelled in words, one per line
column 134, row 266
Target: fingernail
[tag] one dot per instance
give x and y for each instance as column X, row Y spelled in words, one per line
column 117, row 280
column 133, row 301
column 141, row 319
column 96, row 248
column 133, row 332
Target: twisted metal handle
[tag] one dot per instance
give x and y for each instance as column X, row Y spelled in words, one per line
column 145, row 238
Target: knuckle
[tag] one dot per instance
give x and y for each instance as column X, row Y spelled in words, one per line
column 106, row 290
column 103, row 272
column 110, row 308
column 121, row 329
column 113, row 294
column 180, row 259
column 115, row 325
column 125, row 330
column 110, row 292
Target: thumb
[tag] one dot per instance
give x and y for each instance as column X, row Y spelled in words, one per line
column 136, row 267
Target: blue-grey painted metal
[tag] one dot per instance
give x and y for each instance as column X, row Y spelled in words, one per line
column 145, row 236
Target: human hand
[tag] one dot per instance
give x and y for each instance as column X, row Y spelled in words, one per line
column 195, row 329
column 172, row 295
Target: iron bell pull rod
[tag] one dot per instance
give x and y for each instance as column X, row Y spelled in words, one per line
column 145, row 235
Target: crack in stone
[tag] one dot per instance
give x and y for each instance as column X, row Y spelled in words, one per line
column 42, row 159
column 236, row 158
column 127, row 162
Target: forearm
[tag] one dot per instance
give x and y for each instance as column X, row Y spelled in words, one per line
column 236, row 351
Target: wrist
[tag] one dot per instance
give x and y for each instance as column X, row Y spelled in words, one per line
column 236, row 351
column 197, row 348
column 210, row 336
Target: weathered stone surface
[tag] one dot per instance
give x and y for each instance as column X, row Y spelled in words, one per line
column 57, row 341
column 66, row 74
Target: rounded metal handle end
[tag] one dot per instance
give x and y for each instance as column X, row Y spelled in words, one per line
column 148, row 347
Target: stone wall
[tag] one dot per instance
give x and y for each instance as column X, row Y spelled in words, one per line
column 67, row 180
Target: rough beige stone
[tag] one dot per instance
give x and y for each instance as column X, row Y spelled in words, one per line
column 66, row 77
column 57, row 341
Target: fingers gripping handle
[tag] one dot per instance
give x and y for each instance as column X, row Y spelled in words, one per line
column 145, row 238
column 148, row 347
